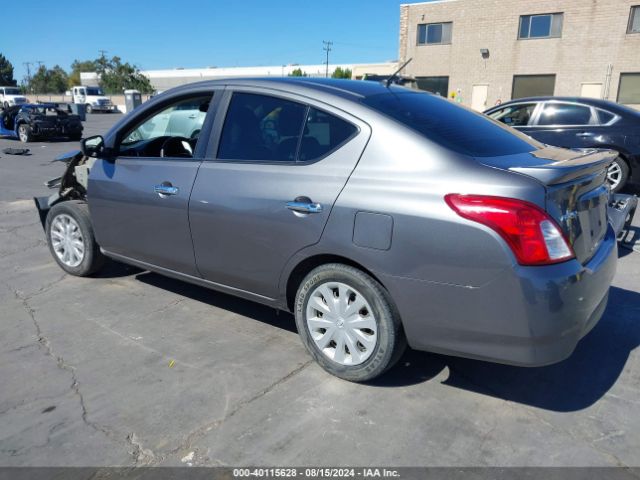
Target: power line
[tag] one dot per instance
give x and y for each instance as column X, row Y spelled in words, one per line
column 327, row 48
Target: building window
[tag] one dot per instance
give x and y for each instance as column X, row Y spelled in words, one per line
column 634, row 20
column 532, row 85
column 547, row 25
column 437, row 85
column 434, row 33
column 629, row 88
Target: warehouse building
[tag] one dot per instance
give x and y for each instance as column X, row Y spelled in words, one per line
column 482, row 52
column 164, row 79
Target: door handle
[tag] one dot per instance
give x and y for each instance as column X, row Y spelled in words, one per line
column 304, row 207
column 165, row 189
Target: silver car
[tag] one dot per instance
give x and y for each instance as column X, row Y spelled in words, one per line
column 379, row 216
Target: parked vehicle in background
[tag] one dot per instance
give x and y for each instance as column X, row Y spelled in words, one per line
column 11, row 96
column 40, row 121
column 572, row 122
column 378, row 215
column 93, row 98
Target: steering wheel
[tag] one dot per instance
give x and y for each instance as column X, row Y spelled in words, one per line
column 176, row 147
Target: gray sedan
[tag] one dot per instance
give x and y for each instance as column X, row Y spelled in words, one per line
column 378, row 215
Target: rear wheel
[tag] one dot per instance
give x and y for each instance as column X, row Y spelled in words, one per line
column 71, row 239
column 617, row 174
column 348, row 322
column 25, row 133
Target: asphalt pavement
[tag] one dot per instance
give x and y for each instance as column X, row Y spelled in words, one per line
column 131, row 368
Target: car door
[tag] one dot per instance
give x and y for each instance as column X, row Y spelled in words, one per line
column 266, row 188
column 565, row 124
column 139, row 202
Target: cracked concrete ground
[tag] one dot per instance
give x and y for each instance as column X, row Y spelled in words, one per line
column 85, row 376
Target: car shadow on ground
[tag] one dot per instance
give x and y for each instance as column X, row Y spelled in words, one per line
column 571, row 385
column 240, row 306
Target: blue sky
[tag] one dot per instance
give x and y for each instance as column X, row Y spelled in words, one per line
column 199, row 33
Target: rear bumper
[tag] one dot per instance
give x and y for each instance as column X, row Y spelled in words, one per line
column 528, row 316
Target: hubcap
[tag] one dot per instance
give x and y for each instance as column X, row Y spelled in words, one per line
column 67, row 240
column 22, row 133
column 614, row 175
column 341, row 323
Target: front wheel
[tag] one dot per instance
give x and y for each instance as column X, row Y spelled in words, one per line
column 348, row 322
column 88, row 108
column 25, row 134
column 617, row 174
column 71, row 239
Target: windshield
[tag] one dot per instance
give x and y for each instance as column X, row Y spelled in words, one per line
column 94, row 91
column 450, row 125
column 12, row 91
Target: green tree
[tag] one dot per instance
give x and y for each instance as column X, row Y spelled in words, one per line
column 298, row 73
column 6, row 72
column 340, row 73
column 54, row 80
column 79, row 66
column 116, row 76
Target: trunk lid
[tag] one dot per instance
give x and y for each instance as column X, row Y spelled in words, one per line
column 577, row 195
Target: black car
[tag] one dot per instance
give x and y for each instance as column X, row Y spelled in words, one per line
column 573, row 122
column 31, row 122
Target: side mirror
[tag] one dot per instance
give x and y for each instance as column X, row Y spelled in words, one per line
column 93, row 146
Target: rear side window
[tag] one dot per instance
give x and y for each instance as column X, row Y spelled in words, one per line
column 323, row 133
column 272, row 129
column 605, row 117
column 451, row 126
column 565, row 114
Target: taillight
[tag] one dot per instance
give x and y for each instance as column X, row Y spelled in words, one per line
column 533, row 236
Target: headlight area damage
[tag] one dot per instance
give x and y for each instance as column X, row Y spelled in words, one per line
column 72, row 185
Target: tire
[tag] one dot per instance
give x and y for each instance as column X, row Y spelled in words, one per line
column 88, row 108
column 76, row 137
column 618, row 174
column 378, row 348
column 74, row 215
column 25, row 134
column 6, row 105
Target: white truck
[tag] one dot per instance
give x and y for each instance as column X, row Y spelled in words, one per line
column 10, row 96
column 93, row 98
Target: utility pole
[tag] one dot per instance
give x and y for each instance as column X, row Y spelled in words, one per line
column 28, row 67
column 327, row 48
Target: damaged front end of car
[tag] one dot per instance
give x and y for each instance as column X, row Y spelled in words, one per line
column 72, row 185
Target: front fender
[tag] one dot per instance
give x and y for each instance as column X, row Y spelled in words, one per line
column 44, row 204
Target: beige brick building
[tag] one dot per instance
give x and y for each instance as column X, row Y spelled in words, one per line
column 490, row 50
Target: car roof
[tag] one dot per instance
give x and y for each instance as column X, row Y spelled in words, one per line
column 596, row 102
column 352, row 89
column 41, row 105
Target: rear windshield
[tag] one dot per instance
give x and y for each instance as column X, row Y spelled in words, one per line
column 450, row 125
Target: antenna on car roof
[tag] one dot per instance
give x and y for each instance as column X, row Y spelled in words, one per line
column 389, row 80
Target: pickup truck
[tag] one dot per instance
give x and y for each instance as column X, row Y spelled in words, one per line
column 11, row 96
